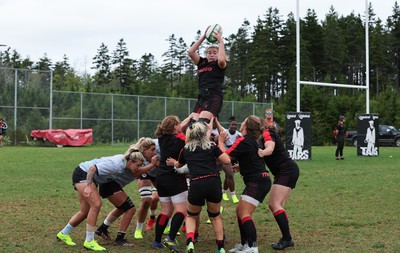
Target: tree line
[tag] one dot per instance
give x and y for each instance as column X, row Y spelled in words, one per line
column 262, row 66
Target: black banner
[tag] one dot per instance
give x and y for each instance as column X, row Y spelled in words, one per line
column 368, row 135
column 298, row 135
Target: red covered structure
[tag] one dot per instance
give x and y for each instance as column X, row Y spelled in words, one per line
column 68, row 137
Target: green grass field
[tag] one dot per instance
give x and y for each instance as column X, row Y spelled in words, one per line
column 338, row 206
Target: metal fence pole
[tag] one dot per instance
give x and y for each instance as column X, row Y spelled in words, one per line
column 165, row 107
column 15, row 104
column 138, row 117
column 112, row 119
column 51, row 101
column 81, row 112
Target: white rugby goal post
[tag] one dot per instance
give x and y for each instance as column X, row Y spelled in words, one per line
column 299, row 82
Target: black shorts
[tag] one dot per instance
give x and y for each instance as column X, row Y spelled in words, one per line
column 211, row 103
column 171, row 184
column 109, row 188
column 287, row 175
column 79, row 176
column 257, row 187
column 207, row 189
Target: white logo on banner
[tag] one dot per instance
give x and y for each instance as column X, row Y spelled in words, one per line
column 368, row 152
column 304, row 116
column 362, row 117
column 303, row 155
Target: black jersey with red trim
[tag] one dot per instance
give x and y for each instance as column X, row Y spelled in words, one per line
column 245, row 150
column 211, row 77
column 170, row 145
column 279, row 156
column 201, row 161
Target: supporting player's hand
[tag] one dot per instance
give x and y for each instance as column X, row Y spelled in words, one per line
column 87, row 191
column 154, row 160
column 235, row 167
column 171, row 161
column 260, row 152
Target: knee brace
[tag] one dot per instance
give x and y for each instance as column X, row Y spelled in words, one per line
column 192, row 214
column 145, row 192
column 128, row 204
column 213, row 215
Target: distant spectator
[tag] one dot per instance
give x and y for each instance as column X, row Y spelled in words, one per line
column 3, row 128
column 269, row 120
column 340, row 133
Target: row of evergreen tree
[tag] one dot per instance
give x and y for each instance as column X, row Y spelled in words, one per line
column 261, row 65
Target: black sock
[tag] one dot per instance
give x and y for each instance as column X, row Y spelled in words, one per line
column 120, row 236
column 283, row 223
column 243, row 238
column 220, row 244
column 250, row 229
column 176, row 224
column 103, row 227
column 161, row 224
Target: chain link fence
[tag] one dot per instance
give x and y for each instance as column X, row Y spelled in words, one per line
column 28, row 102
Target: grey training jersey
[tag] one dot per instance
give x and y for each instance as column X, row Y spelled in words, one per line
column 110, row 168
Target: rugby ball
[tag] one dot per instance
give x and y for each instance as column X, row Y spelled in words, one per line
column 210, row 31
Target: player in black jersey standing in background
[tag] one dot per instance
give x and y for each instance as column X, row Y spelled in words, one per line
column 340, row 138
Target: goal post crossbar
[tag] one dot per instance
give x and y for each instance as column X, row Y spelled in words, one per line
column 335, row 85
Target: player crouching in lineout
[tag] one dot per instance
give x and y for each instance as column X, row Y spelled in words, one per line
column 211, row 73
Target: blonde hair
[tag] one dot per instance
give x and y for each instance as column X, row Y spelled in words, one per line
column 143, row 144
column 133, row 155
column 196, row 136
column 212, row 46
column 167, row 126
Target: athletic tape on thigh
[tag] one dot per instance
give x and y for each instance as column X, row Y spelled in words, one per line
column 250, row 200
column 145, row 192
